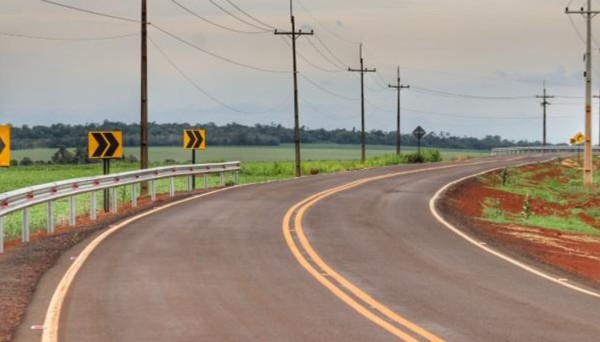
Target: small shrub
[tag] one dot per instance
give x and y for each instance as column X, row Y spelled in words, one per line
column 314, row 171
column 526, row 212
column 229, row 183
column 504, row 176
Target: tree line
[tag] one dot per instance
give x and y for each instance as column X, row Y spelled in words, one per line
column 233, row 134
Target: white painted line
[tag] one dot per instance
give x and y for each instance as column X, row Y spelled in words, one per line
column 436, row 214
column 51, row 322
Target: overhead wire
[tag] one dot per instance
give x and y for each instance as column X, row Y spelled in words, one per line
column 309, row 62
column 206, row 93
column 195, row 14
column 250, row 16
column 236, row 17
column 341, row 68
column 323, row 89
column 325, row 26
column 467, row 96
column 225, row 59
column 79, row 9
column 74, row 39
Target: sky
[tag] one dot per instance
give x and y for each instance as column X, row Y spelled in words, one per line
column 497, row 52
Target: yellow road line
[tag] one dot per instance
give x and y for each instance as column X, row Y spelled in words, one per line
column 301, row 209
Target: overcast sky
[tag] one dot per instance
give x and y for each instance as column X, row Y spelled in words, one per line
column 492, row 48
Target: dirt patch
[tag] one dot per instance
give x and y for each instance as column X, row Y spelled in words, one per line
column 572, row 255
column 23, row 264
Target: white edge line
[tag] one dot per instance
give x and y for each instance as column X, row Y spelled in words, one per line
column 436, row 214
column 51, row 321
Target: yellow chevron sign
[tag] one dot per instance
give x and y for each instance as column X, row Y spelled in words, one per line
column 194, row 139
column 578, row 139
column 105, row 145
column 4, row 146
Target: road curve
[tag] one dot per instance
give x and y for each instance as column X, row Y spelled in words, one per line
column 220, row 268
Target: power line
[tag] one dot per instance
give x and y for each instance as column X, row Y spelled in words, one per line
column 325, row 57
column 345, row 65
column 314, row 65
column 228, row 60
column 203, row 91
column 325, row 27
column 327, row 90
column 91, row 12
column 468, row 96
column 195, row 14
column 75, row 39
column 249, row 16
column 236, row 17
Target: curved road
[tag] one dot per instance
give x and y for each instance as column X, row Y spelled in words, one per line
column 228, row 267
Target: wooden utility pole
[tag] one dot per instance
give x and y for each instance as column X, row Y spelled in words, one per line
column 362, row 71
column 399, row 88
column 295, row 35
column 545, row 104
column 598, row 97
column 588, row 171
column 144, row 97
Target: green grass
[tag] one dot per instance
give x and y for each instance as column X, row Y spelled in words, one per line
column 284, row 152
column 566, row 190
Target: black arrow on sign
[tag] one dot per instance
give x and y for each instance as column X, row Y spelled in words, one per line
column 192, row 138
column 102, row 145
column 113, row 144
column 2, row 145
column 199, row 139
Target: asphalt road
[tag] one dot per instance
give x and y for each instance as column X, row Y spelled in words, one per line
column 220, row 269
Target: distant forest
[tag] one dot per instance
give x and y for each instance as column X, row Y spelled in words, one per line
column 170, row 134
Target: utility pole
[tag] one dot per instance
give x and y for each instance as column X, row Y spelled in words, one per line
column 362, row 71
column 598, row 97
column 545, row 104
column 399, row 88
column 588, row 14
column 294, row 35
column 144, row 98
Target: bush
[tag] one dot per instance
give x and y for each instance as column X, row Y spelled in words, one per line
column 26, row 161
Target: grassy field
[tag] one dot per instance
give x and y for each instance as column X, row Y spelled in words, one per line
column 255, row 154
column 550, row 196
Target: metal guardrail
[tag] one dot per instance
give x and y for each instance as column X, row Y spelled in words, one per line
column 24, row 199
column 539, row 149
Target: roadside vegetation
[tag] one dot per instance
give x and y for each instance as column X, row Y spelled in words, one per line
column 550, row 196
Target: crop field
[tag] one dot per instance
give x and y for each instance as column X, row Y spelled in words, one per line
column 255, row 154
column 259, row 164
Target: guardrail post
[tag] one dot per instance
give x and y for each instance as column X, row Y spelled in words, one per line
column 93, row 206
column 25, row 232
column 72, row 211
column 1, row 234
column 222, row 178
column 190, row 187
column 205, row 182
column 237, row 177
column 134, row 195
column 50, row 224
column 153, row 190
column 172, row 186
column 113, row 195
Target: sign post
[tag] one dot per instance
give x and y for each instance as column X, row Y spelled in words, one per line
column 578, row 140
column 105, row 145
column 419, row 133
column 194, row 139
column 4, row 146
